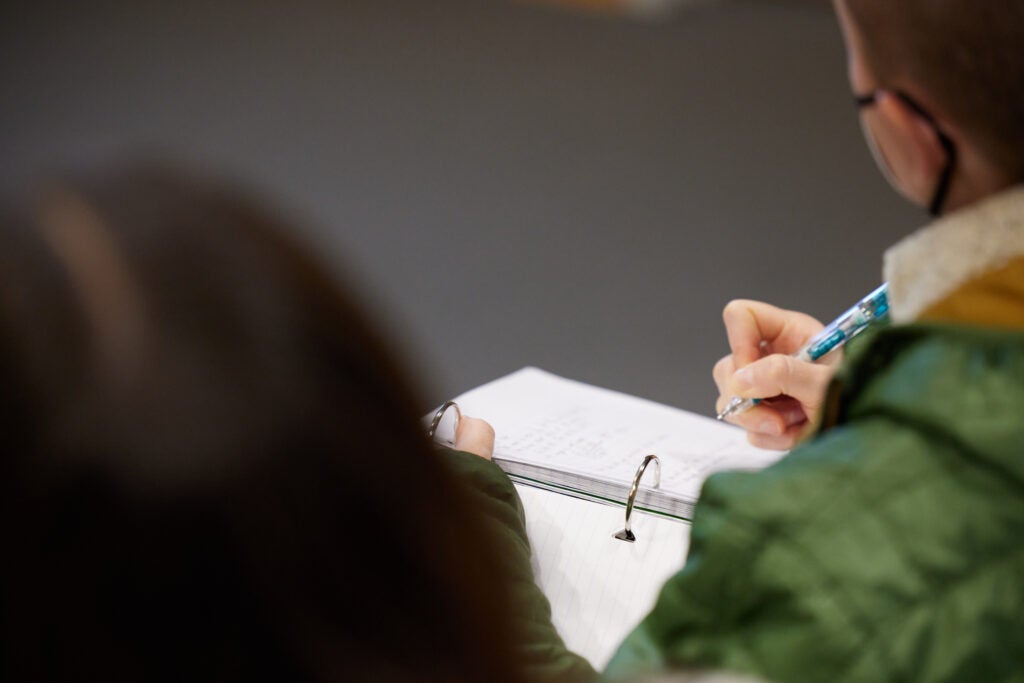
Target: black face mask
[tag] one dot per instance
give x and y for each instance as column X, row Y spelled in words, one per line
column 946, row 177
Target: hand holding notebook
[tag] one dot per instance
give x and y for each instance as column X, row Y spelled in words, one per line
column 573, row 452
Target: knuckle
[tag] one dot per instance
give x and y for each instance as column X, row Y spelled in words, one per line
column 765, row 370
column 721, row 369
column 730, row 306
column 788, row 369
column 745, row 422
column 774, row 372
column 482, row 428
column 774, row 368
column 734, row 309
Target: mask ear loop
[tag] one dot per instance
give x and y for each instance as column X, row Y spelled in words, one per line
column 935, row 208
column 881, row 161
column 945, row 178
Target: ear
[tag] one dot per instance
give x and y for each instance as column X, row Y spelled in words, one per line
column 921, row 150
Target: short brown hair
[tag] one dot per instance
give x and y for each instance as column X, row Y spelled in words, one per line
column 965, row 54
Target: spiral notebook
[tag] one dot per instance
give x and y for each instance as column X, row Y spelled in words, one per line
column 575, row 453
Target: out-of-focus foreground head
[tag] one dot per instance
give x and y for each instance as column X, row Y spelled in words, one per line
column 211, row 467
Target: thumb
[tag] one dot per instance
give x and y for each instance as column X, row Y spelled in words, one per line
column 475, row 436
column 783, row 375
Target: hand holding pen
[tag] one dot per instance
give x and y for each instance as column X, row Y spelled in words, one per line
column 772, row 357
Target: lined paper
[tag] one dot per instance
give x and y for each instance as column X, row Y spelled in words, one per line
column 540, row 418
column 599, row 587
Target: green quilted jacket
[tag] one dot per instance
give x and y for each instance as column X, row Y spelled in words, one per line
column 889, row 548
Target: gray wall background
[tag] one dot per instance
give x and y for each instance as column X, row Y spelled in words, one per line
column 509, row 184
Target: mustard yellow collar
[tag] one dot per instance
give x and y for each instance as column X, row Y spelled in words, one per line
column 929, row 265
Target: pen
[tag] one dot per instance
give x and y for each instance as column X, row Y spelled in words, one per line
column 872, row 308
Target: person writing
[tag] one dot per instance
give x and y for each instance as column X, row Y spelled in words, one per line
column 886, row 545
column 960, row 154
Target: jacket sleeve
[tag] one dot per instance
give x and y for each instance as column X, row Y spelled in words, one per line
column 887, row 548
column 767, row 586
column 544, row 654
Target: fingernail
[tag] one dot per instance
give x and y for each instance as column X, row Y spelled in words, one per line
column 771, row 428
column 743, row 379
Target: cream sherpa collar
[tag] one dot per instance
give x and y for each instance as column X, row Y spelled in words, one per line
column 930, row 264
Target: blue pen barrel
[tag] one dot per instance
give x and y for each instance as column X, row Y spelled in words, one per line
column 872, row 308
column 823, row 346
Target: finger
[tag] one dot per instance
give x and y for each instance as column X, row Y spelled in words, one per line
column 722, row 372
column 747, row 324
column 754, row 328
column 782, row 375
column 475, row 436
column 761, row 419
column 783, row 442
column 788, row 408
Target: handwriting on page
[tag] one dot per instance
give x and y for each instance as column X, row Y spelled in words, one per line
column 611, row 443
column 600, row 587
column 571, row 438
column 546, row 420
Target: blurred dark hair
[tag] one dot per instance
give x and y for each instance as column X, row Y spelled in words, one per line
column 212, row 467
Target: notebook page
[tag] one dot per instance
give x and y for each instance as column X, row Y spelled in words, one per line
column 544, row 419
column 599, row 587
